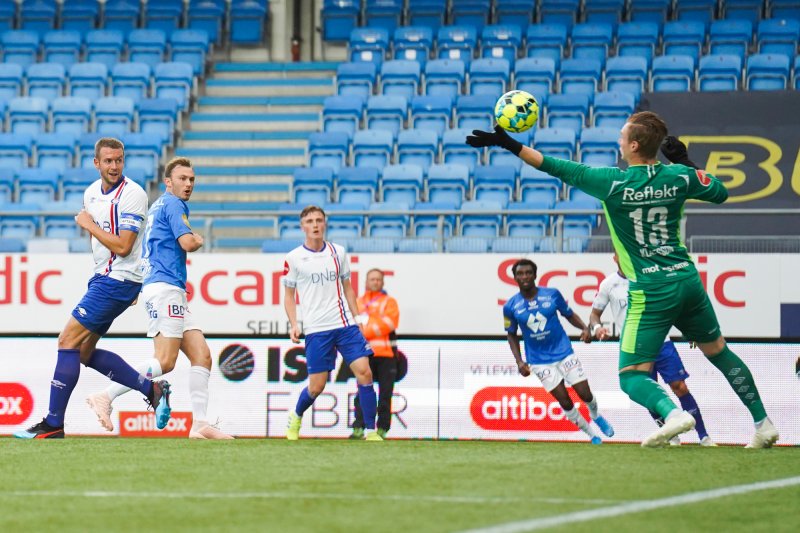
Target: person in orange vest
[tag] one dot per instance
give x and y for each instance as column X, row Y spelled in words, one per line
column 378, row 318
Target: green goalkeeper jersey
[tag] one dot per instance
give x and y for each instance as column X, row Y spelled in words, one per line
column 644, row 208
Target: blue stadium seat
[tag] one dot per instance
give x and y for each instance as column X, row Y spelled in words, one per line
column 72, row 114
column 796, row 82
column 373, row 148
column 81, row 245
column 577, row 224
column 417, row 245
column 372, row 245
column 355, row 79
column 475, row 112
column 696, row 10
column 592, row 40
column 428, row 216
column 604, row 11
column 312, row 186
column 612, row 109
column 778, row 36
column 749, row 10
column 563, row 12
column 413, row 43
column 496, row 183
column 357, row 185
column 719, row 73
column 402, row 183
column 431, row 113
column 447, row 183
column 673, row 74
column 147, row 46
column 501, row 156
column 684, row 38
column 580, row 76
column 280, row 246
column 37, row 185
column 489, row 76
column 538, row 187
column 783, row 9
column 656, row 11
column 428, row 13
column 328, row 150
column 80, row 15
column 55, row 150
column 344, row 226
column 104, row 46
column 46, row 80
column 456, row 43
column 247, row 21
column 289, row 225
column 164, row 15
column 400, row 77
column 11, row 80
column 339, row 18
column 368, row 45
column 8, row 11
column 387, row 113
column 556, row 142
column 767, row 72
column 63, row 47
column 516, row 12
column 471, row 13
column 189, row 46
column 418, row 147
column 142, row 151
column 86, row 142
column 15, row 150
column 536, row 75
column 20, row 46
column 131, row 80
column 18, row 226
column 121, row 15
column 37, row 15
column 444, row 77
column 12, row 245
column 730, row 37
column 62, row 226
column 386, row 225
column 546, row 40
column 486, row 223
column 7, row 185
column 627, row 74
column 207, row 15
column 467, row 245
column 527, row 224
column 28, row 115
column 569, row 111
column 139, row 176
column 599, row 147
column 384, row 14
column 113, row 116
column 501, row 41
column 174, row 80
column 514, row 245
column 456, row 150
column 342, row 113
column 88, row 80
column 638, row 39
column 74, row 182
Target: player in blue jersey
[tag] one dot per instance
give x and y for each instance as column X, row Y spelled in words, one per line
column 114, row 214
column 171, row 325
column 548, row 351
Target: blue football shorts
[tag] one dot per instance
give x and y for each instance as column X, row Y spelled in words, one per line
column 668, row 364
column 105, row 299
column 321, row 348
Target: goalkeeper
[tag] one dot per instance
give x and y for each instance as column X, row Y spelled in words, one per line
column 643, row 207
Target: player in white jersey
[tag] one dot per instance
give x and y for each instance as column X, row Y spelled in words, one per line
column 115, row 214
column 613, row 293
column 319, row 273
column 172, row 327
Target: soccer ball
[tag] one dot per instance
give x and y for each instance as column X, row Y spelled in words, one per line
column 516, row 111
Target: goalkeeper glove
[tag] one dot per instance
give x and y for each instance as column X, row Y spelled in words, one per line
column 675, row 151
column 499, row 137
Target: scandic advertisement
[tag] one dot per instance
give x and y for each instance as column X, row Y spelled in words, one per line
column 439, row 294
column 454, row 389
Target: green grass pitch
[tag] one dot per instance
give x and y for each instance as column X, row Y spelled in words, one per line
column 107, row 484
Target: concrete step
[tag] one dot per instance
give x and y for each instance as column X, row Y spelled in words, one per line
column 254, row 122
column 247, row 70
column 270, row 87
column 246, row 139
column 244, row 156
column 240, row 192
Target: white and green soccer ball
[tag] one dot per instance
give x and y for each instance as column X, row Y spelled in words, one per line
column 516, row 111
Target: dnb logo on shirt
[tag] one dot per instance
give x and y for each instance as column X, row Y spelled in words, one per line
column 236, row 362
column 16, row 404
column 522, row 409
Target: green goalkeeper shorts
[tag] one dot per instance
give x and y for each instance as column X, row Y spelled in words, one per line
column 653, row 310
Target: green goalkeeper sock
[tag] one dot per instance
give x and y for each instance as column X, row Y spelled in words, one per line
column 741, row 380
column 646, row 392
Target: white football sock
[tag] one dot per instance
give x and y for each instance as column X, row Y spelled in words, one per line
column 150, row 369
column 198, row 390
column 575, row 417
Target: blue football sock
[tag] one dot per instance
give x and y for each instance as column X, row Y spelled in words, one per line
column 65, row 377
column 115, row 368
column 303, row 402
column 369, row 404
column 690, row 406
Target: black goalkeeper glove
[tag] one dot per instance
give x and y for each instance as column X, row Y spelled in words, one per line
column 499, row 137
column 675, row 151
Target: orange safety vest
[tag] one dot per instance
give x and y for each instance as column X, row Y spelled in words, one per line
column 384, row 317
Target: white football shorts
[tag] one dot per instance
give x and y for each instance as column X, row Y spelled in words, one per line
column 167, row 310
column 569, row 369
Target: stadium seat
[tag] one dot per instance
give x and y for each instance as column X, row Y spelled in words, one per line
column 207, row 15
column 71, row 114
column 80, row 15
column 402, row 183
column 384, row 14
column 142, row 151
column 20, row 46
column 638, row 39
column 467, row 245
column 471, row 13
column 496, row 183
column 514, row 12
column 489, row 76
column 368, row 45
column 778, row 36
column 413, row 43
column 556, row 142
column 86, row 142
column 8, row 11
column 429, row 215
column 113, row 116
column 498, row 156
column 55, row 150
column 730, row 37
column 767, row 72
column 131, row 80
column 456, row 43
column 569, row 111
column 456, row 150
column 174, row 80
column 684, row 38
column 372, row 245
column 7, row 185
column 431, row 113
column 11, row 80
column 247, row 21
column 599, row 147
column 580, row 76
column 783, row 9
column 696, row 10
column 400, row 77
column 147, row 46
column 280, row 246
column 417, row 245
column 355, row 79
column 46, row 80
column 88, row 80
column 189, row 46
column 373, row 148
column 342, row 113
column 748, row 10
column 719, row 73
column 612, row 109
column 546, row 40
column 656, row 11
column 37, row 185
column 339, row 18
column 427, row 13
column 104, row 46
column 563, row 12
column 328, row 150
column 447, row 183
column 28, row 115
column 530, row 225
column 121, row 15
column 159, row 117
column 536, row 75
column 673, row 74
column 74, row 182
column 501, row 41
column 796, row 82
column 592, row 40
column 486, row 222
column 344, row 226
column 387, row 113
column 538, row 187
column 418, row 147
column 357, row 185
column 604, row 11
column 513, row 245
column 15, row 150
column 12, row 245
column 627, row 74
column 62, row 226
column 164, row 15
column 578, row 224
column 387, row 225
column 312, row 186
column 37, row 15
column 62, row 47
column 444, row 77
column 475, row 111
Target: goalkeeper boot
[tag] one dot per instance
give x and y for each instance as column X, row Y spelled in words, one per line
column 100, row 403
column 766, row 435
column 707, row 442
column 293, row 427
column 373, row 436
column 676, row 423
column 357, row 434
column 382, row 433
column 42, row 430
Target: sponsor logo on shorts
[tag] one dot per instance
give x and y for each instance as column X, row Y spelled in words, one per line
column 143, row 424
column 236, row 362
column 16, row 404
column 522, row 409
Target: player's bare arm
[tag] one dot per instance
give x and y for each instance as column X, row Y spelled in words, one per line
column 522, row 366
column 596, row 327
column 350, row 296
column 290, row 305
column 120, row 245
column 576, row 321
column 191, row 242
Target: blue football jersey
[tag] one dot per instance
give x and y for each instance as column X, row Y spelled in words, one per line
column 163, row 259
column 545, row 338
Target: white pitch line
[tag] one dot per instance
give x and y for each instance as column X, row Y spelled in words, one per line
column 635, row 507
column 290, row 495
